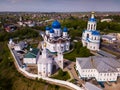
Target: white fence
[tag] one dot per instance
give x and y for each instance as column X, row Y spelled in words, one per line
column 66, row 83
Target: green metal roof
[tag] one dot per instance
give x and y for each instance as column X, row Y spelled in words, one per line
column 32, row 54
column 34, row 51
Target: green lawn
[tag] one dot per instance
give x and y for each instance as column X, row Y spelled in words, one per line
column 11, row 79
column 79, row 51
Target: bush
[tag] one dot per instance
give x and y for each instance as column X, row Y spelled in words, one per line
column 62, row 75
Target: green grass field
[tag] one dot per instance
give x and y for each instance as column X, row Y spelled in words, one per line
column 11, row 79
column 79, row 51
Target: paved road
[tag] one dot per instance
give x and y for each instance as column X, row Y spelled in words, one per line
column 71, row 68
column 111, row 47
column 105, row 54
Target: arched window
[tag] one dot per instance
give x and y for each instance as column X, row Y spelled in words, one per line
column 91, row 27
column 95, row 38
column 105, row 74
column 87, row 35
column 57, row 32
column 94, row 26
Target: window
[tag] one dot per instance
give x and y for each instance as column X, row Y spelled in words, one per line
column 95, row 38
column 88, row 26
column 91, row 27
column 67, row 46
column 105, row 74
column 57, row 32
column 87, row 35
column 94, row 26
column 60, row 61
column 53, row 48
column 62, row 48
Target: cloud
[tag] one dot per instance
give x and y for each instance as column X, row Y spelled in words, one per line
column 18, row 1
column 13, row 1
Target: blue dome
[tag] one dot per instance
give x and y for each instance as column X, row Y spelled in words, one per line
column 47, row 28
column 92, row 19
column 51, row 31
column 95, row 33
column 56, row 24
column 65, row 29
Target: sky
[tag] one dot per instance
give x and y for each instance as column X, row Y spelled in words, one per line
column 60, row 5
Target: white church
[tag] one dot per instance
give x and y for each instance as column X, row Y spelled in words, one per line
column 90, row 36
column 46, row 62
column 57, row 39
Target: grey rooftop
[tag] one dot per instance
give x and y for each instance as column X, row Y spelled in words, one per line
column 102, row 64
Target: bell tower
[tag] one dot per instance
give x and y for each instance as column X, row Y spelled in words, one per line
column 60, row 60
column 92, row 22
column 44, row 52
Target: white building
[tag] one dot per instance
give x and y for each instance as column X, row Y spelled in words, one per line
column 91, row 37
column 109, row 38
column 46, row 61
column 101, row 68
column 32, row 56
column 11, row 43
column 106, row 20
column 56, row 38
column 19, row 46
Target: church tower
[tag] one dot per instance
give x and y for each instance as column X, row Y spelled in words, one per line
column 20, row 19
column 90, row 36
column 44, row 52
column 65, row 32
column 92, row 23
column 60, row 60
column 51, row 33
column 47, row 30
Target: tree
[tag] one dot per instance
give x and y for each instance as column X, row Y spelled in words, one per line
column 84, row 52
